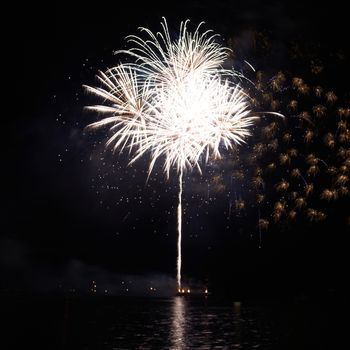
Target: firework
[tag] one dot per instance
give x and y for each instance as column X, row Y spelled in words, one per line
column 175, row 102
column 284, row 159
column 329, row 194
column 319, row 111
column 263, row 224
column 331, row 97
column 282, row 186
column 305, row 161
column 329, row 140
column 293, row 105
column 287, row 137
column 309, row 135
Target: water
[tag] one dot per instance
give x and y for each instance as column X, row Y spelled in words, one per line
column 173, row 323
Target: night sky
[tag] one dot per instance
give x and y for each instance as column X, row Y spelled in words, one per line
column 74, row 212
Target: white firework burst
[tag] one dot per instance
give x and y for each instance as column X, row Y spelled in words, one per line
column 174, row 101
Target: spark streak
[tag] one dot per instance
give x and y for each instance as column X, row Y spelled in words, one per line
column 179, row 232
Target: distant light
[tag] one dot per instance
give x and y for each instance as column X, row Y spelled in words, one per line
column 188, row 291
column 183, row 291
column 206, row 291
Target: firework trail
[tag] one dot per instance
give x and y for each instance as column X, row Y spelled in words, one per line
column 175, row 102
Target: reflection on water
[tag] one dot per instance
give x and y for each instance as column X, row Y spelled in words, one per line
column 176, row 323
column 178, row 329
column 201, row 326
column 237, row 308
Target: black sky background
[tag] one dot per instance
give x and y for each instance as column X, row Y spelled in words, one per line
column 55, row 230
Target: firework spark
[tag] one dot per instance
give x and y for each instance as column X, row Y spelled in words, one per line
column 175, row 102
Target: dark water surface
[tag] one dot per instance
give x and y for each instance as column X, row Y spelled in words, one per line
column 172, row 323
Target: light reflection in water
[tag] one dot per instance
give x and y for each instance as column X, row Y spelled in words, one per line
column 179, row 323
column 178, row 330
column 238, row 323
column 237, row 308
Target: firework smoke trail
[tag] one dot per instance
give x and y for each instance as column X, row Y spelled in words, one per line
column 174, row 102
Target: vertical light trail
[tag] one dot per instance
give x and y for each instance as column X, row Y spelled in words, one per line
column 179, row 233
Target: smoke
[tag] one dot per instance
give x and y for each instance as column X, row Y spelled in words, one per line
column 23, row 273
column 89, row 278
